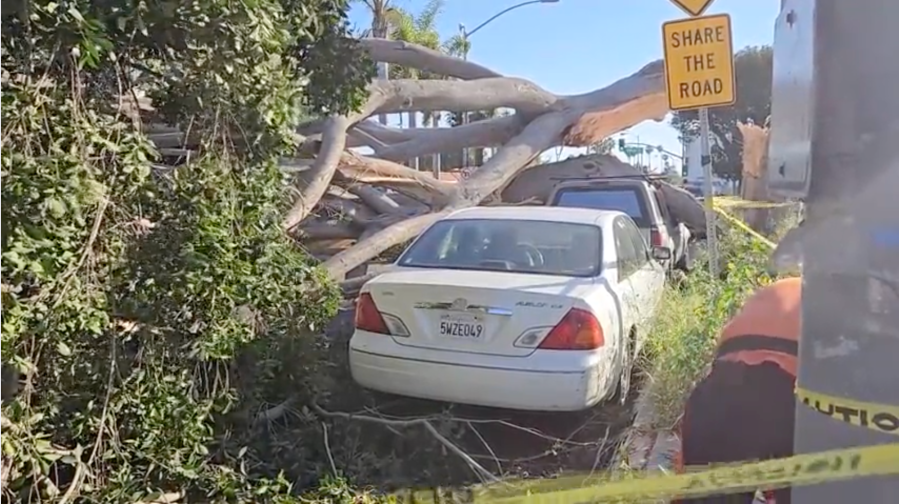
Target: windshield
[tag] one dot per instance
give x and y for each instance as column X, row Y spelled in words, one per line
column 520, row 246
column 623, row 200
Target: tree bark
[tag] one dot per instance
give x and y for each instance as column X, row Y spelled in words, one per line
column 427, row 60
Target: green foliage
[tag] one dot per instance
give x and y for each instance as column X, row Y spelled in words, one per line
column 604, row 146
column 691, row 317
column 153, row 313
column 418, row 29
column 753, row 69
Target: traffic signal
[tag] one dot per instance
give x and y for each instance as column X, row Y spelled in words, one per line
column 621, row 144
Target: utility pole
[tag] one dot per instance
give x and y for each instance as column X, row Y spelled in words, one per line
column 832, row 75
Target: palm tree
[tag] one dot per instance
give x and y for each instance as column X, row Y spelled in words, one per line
column 380, row 28
column 418, row 29
column 604, row 146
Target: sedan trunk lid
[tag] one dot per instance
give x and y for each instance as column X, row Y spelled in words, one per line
column 478, row 312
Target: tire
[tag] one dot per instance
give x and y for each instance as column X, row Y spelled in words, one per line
column 685, row 263
column 623, row 388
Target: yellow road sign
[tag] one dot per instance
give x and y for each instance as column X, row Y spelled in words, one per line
column 693, row 7
column 699, row 62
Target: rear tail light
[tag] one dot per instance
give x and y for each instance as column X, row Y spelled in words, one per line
column 578, row 330
column 368, row 318
column 655, row 238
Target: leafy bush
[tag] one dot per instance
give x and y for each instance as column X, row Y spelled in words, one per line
column 154, row 315
column 692, row 314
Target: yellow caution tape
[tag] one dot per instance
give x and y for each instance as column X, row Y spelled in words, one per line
column 879, row 417
column 742, row 225
column 731, row 202
column 805, row 469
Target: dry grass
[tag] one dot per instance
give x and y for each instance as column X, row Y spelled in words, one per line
column 679, row 350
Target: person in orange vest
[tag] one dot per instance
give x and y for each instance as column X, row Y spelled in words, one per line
column 744, row 408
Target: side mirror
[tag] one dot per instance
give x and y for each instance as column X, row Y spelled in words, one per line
column 661, row 253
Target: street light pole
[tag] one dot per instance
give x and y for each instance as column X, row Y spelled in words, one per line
column 464, row 114
column 466, row 35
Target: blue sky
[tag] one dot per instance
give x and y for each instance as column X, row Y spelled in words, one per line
column 574, row 46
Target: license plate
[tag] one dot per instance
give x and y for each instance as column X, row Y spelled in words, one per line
column 470, row 328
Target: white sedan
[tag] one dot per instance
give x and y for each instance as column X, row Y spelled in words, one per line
column 529, row 308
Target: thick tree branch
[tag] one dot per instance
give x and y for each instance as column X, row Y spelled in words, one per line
column 360, row 166
column 541, row 134
column 319, row 176
column 385, row 134
column 483, row 94
column 422, row 58
column 333, row 144
column 622, row 104
column 374, row 198
column 371, row 246
column 486, row 133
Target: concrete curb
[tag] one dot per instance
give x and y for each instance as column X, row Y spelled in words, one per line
column 647, row 449
column 644, row 447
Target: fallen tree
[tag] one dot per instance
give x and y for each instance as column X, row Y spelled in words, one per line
column 349, row 208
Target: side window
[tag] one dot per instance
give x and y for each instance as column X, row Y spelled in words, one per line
column 624, row 247
column 641, row 251
column 663, row 208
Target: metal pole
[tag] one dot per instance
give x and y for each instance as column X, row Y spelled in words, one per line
column 464, row 113
column 383, row 69
column 850, row 302
column 708, row 191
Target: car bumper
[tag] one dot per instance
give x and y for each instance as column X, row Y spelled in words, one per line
column 510, row 382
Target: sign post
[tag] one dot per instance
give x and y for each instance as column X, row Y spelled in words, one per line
column 699, row 70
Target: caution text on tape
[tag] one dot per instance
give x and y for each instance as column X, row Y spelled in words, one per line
column 879, row 417
column 798, row 470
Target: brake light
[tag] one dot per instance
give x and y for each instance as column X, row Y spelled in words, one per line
column 368, row 318
column 655, row 238
column 578, row 330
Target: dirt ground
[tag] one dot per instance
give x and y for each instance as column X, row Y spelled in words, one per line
column 504, row 443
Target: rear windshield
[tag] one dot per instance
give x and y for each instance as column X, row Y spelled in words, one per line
column 624, row 200
column 520, row 246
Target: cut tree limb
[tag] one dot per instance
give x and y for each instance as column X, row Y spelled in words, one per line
column 372, row 197
column 355, row 165
column 329, row 230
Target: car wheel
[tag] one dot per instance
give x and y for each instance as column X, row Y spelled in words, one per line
column 627, row 370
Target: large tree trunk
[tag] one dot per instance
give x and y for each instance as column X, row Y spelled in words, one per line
column 754, row 185
column 386, row 204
